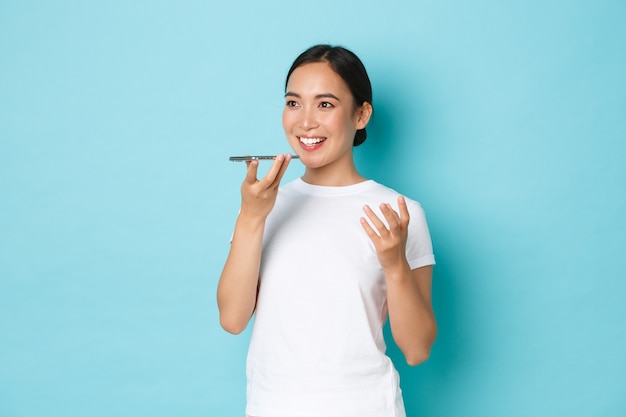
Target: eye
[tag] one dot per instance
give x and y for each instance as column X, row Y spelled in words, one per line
column 291, row 103
column 326, row 105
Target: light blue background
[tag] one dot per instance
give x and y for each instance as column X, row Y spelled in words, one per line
column 506, row 119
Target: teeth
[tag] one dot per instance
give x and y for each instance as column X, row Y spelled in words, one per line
column 311, row 141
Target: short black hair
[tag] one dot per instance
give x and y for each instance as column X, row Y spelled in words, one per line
column 348, row 66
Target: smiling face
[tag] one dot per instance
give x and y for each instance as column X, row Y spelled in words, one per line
column 320, row 120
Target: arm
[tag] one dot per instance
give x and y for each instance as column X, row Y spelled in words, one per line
column 411, row 315
column 237, row 287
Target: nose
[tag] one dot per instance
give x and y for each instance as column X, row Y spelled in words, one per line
column 308, row 120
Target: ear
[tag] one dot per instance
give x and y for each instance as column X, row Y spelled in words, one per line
column 363, row 115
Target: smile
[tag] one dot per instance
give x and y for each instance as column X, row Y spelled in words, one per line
column 311, row 141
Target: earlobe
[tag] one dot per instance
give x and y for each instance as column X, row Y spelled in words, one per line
column 363, row 115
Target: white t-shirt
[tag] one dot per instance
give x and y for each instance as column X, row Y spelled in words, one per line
column 317, row 347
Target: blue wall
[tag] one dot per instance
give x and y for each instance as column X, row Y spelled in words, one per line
column 506, row 119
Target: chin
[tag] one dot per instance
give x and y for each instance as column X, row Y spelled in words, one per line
column 310, row 162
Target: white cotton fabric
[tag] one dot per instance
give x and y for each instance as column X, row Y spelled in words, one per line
column 317, row 347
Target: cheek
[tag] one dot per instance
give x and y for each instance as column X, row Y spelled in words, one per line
column 288, row 119
column 342, row 121
column 332, row 120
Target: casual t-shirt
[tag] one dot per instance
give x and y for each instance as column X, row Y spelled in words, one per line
column 317, row 347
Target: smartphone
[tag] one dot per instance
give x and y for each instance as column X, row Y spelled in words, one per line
column 257, row 157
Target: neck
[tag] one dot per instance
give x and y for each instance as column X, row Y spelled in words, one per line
column 332, row 177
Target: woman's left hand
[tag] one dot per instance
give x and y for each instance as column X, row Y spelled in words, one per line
column 389, row 241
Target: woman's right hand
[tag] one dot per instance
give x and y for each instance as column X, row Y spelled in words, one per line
column 258, row 196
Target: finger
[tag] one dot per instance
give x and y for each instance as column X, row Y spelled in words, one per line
column 281, row 172
column 271, row 175
column 251, row 174
column 368, row 229
column 392, row 217
column 405, row 217
column 378, row 224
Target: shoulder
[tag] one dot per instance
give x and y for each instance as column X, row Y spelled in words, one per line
column 288, row 189
column 390, row 195
column 290, row 185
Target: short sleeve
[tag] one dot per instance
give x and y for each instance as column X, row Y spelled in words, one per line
column 419, row 247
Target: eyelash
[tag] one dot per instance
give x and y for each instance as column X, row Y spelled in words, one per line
column 324, row 104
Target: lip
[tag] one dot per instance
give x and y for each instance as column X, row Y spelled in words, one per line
column 313, row 146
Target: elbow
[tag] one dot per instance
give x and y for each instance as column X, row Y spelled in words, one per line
column 233, row 326
column 417, row 357
column 232, row 319
column 420, row 354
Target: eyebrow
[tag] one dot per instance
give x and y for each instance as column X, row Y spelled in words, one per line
column 323, row 95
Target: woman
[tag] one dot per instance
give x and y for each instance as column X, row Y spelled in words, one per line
column 324, row 260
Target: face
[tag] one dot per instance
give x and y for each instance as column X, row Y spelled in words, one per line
column 320, row 117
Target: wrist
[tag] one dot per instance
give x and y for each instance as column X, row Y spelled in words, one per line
column 398, row 273
column 250, row 222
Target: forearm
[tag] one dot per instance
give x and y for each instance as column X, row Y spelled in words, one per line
column 411, row 316
column 237, row 287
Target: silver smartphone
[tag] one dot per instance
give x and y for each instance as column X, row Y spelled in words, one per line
column 256, row 157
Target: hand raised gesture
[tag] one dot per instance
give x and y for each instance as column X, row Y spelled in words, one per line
column 258, row 196
column 389, row 241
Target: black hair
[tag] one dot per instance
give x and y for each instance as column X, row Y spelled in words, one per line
column 348, row 66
